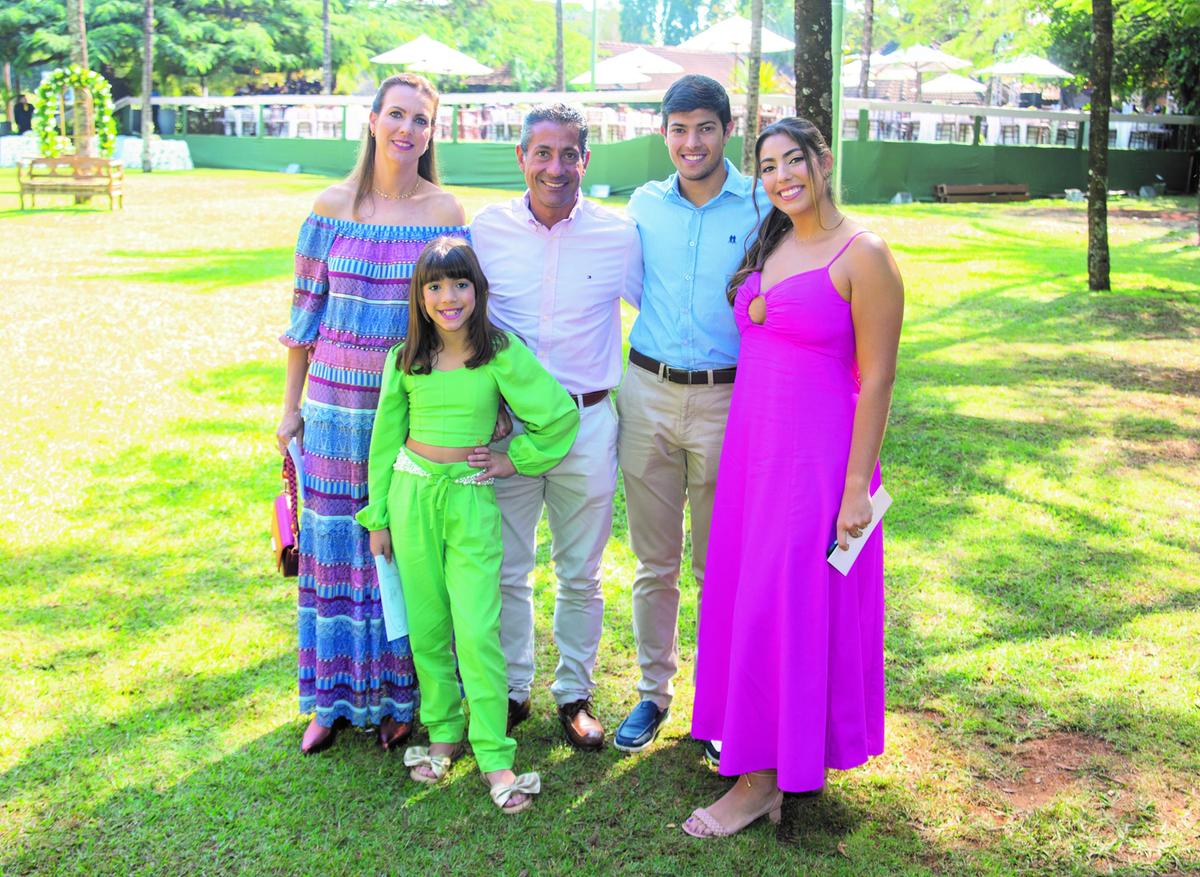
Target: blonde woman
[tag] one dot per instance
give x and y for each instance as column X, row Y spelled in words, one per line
column 354, row 262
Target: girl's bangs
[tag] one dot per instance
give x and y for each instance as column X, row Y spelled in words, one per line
column 444, row 263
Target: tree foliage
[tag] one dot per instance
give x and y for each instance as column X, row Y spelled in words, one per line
column 219, row 44
column 1156, row 46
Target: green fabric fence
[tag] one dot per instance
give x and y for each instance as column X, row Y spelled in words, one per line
column 873, row 170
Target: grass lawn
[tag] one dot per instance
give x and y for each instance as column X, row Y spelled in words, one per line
column 1043, row 593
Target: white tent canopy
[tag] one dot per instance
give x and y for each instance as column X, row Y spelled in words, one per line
column 427, row 55
column 920, row 59
column 952, row 83
column 1028, row 65
column 628, row 68
column 733, row 35
column 645, row 61
column 611, row 74
column 852, row 71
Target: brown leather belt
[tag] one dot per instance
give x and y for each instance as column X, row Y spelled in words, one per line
column 678, row 375
column 587, row 400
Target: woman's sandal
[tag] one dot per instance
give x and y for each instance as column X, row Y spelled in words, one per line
column 527, row 784
column 417, row 757
column 703, row 824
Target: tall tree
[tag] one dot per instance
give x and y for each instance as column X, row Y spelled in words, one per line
column 753, row 63
column 814, row 64
column 85, row 124
column 560, row 75
column 864, row 75
column 327, row 56
column 147, row 82
column 1101, row 76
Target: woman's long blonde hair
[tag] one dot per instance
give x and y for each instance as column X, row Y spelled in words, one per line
column 363, row 175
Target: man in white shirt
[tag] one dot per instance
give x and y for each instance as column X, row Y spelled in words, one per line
column 557, row 268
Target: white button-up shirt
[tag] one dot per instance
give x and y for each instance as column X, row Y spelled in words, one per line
column 560, row 288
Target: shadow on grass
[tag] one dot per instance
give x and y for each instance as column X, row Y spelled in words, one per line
column 204, row 270
column 264, row 808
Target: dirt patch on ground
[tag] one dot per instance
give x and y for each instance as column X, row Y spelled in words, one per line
column 1168, row 451
column 1048, row 765
column 1168, row 215
column 1161, row 215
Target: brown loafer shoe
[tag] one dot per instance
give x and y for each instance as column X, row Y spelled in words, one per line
column 518, row 711
column 393, row 734
column 583, row 730
column 318, row 738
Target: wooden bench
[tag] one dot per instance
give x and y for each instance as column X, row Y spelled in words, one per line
column 78, row 175
column 946, row 192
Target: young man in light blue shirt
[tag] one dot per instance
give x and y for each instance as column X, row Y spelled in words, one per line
column 674, row 399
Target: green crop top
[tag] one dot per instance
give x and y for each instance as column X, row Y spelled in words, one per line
column 457, row 409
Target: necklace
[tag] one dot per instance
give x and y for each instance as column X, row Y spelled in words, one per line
column 389, row 197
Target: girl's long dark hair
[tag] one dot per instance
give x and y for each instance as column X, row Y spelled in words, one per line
column 447, row 258
column 776, row 226
column 363, row 175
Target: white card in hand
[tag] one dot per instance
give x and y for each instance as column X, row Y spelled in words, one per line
column 395, row 616
column 843, row 560
column 297, row 460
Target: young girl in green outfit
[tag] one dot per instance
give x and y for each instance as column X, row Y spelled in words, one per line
column 432, row 506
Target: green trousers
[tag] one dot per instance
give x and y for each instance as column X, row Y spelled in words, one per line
column 446, row 539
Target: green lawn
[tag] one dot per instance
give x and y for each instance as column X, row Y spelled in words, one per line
column 1043, row 594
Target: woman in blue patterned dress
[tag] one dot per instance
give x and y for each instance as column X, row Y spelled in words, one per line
column 354, row 261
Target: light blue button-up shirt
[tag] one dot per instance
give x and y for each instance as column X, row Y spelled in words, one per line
column 689, row 254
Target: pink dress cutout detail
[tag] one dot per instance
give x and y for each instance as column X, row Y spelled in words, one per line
column 790, row 655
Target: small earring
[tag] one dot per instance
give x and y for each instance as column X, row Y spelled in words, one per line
column 372, row 130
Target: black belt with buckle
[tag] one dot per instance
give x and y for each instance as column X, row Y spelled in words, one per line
column 680, row 376
column 587, row 400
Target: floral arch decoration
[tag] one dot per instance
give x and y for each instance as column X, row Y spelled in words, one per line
column 49, row 96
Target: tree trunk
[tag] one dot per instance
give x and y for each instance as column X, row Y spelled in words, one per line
column 85, row 125
column 1101, row 76
column 864, row 77
column 147, row 81
column 560, row 76
column 814, row 64
column 327, row 63
column 753, row 65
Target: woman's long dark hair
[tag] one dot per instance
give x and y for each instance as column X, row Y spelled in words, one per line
column 447, row 258
column 776, row 226
column 363, row 175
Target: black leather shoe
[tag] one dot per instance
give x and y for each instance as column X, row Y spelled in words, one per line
column 518, row 711
column 583, row 730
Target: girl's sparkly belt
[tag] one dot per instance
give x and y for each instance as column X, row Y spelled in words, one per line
column 404, row 464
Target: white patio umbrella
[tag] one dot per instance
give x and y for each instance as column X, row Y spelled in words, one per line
column 427, row 55
column 914, row 61
column 852, row 72
column 953, row 83
column 1028, row 65
column 645, row 61
column 733, row 35
column 611, row 74
column 628, row 68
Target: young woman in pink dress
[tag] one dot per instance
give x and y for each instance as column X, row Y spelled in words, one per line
column 790, row 654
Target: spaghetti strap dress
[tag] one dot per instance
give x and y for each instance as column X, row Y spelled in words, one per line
column 349, row 306
column 790, row 652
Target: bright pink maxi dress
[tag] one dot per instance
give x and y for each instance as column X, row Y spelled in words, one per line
column 790, row 655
